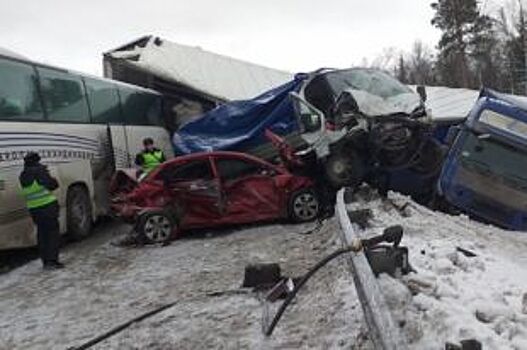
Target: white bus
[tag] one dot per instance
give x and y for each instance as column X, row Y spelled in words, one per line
column 83, row 127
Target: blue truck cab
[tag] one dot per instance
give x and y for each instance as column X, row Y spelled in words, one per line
column 485, row 171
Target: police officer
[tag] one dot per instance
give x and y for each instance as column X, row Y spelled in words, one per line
column 37, row 186
column 150, row 157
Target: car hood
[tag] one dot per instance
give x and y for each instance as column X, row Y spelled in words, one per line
column 373, row 106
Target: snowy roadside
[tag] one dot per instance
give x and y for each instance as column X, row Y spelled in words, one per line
column 106, row 286
column 456, row 297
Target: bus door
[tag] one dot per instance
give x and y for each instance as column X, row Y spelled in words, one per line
column 118, row 146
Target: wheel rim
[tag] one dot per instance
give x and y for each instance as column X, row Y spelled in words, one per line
column 80, row 212
column 158, row 228
column 341, row 170
column 305, row 206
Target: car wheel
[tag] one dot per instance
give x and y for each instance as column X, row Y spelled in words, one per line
column 78, row 213
column 156, row 226
column 304, row 206
column 344, row 170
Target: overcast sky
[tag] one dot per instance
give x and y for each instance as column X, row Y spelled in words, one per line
column 294, row 35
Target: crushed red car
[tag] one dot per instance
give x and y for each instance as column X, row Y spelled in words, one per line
column 206, row 190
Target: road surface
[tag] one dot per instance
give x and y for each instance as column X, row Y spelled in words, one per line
column 104, row 286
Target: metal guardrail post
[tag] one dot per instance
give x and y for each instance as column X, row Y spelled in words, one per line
column 384, row 333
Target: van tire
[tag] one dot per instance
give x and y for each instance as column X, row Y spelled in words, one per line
column 344, row 169
column 78, row 212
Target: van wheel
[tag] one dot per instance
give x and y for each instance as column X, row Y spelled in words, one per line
column 78, row 213
column 344, row 169
column 156, row 226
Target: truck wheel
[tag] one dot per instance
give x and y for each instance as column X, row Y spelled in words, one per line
column 156, row 226
column 78, row 212
column 344, row 170
column 304, row 205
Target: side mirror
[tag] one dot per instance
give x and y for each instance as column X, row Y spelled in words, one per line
column 421, row 90
column 310, row 119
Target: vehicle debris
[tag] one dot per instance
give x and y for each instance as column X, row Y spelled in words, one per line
column 261, row 275
column 390, row 235
column 466, row 252
column 281, row 290
column 360, row 217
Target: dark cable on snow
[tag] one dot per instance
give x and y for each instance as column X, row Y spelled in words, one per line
column 121, row 327
column 391, row 235
column 146, row 315
column 303, row 281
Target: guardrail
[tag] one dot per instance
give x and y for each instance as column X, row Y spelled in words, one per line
column 383, row 331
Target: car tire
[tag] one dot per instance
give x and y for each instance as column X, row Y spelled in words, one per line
column 344, row 170
column 156, row 226
column 304, row 205
column 79, row 218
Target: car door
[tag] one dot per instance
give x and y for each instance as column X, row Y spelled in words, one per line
column 248, row 188
column 196, row 192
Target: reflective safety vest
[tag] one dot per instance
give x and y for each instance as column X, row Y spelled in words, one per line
column 151, row 160
column 37, row 196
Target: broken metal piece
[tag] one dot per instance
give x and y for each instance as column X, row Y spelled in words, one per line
column 360, row 217
column 466, row 252
column 470, row 344
column 450, row 346
column 280, row 290
column 467, row 344
column 261, row 275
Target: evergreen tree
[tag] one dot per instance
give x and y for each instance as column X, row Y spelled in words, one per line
column 463, row 28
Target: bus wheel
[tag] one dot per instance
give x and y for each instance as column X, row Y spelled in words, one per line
column 78, row 212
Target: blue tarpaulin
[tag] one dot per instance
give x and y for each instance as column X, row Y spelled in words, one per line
column 239, row 125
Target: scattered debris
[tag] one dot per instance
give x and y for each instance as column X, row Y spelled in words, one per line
column 466, row 252
column 360, row 217
column 470, row 344
column 261, row 275
column 280, row 290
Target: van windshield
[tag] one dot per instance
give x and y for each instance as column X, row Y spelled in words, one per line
column 372, row 81
column 491, row 158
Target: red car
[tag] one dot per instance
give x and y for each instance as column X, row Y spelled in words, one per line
column 209, row 190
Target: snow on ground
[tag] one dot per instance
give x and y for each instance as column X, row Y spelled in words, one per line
column 104, row 286
column 458, row 297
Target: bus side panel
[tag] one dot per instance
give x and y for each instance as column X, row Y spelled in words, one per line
column 58, row 145
column 16, row 227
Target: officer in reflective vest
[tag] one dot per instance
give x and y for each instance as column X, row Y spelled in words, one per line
column 150, row 158
column 37, row 186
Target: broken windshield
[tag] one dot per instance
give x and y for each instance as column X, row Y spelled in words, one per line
column 372, row 81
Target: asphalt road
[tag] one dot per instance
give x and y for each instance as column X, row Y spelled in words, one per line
column 103, row 231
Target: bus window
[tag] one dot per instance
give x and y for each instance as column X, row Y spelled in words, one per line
column 104, row 101
column 19, row 98
column 64, row 97
column 140, row 107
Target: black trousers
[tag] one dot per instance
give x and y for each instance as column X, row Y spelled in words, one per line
column 48, row 233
